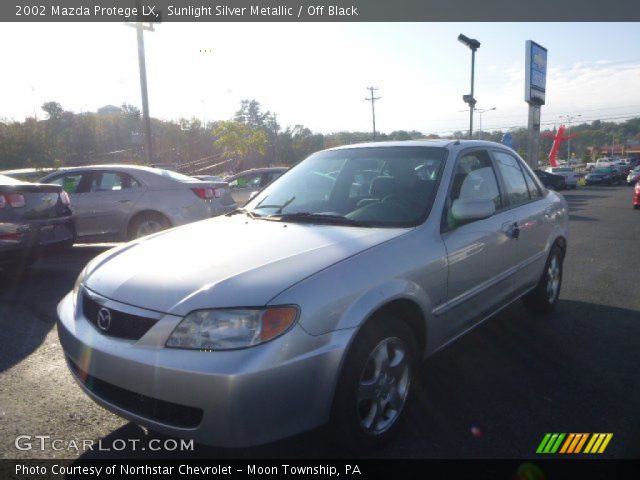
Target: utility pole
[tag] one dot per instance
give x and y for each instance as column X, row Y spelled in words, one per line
column 373, row 99
column 569, row 118
column 140, row 27
column 275, row 138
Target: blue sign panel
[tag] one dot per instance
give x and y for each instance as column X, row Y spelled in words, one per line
column 536, row 73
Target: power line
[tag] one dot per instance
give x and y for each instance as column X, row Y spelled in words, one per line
column 373, row 99
column 507, row 127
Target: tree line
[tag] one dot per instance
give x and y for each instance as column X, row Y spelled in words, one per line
column 252, row 138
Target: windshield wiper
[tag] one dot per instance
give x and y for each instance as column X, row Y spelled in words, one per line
column 309, row 217
column 242, row 210
column 279, row 207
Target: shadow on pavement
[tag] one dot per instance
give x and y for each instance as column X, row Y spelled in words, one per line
column 28, row 300
column 496, row 391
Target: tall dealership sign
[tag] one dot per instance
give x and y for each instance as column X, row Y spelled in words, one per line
column 535, row 87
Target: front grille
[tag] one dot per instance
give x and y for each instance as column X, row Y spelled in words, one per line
column 121, row 324
column 169, row 413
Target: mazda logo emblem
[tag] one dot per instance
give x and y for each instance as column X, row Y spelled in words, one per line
column 104, row 319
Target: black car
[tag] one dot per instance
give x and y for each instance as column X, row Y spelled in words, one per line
column 33, row 218
column 551, row 180
column 605, row 176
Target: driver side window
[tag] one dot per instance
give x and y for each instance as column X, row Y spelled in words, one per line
column 473, row 178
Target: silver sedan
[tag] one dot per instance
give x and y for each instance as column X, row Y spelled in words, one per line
column 122, row 202
column 322, row 296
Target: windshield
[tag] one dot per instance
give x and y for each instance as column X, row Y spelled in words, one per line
column 374, row 186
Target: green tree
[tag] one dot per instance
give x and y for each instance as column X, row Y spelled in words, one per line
column 239, row 141
column 53, row 110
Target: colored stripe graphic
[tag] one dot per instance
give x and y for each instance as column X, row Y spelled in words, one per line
column 598, row 442
column 551, row 443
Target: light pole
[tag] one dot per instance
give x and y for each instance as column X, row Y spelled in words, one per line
column 613, row 144
column 481, row 111
column 140, row 27
column 473, row 45
column 569, row 118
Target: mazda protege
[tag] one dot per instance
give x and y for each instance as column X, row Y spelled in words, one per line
column 315, row 303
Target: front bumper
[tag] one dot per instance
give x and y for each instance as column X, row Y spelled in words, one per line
column 225, row 398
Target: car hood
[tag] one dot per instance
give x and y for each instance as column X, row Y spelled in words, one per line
column 224, row 262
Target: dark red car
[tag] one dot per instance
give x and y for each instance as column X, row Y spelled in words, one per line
column 636, row 196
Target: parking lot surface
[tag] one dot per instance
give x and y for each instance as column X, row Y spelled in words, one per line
column 493, row 393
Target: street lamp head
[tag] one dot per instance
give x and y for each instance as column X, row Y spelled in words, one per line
column 469, row 100
column 472, row 43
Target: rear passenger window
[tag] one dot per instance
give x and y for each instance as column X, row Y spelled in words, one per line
column 112, row 181
column 534, row 190
column 515, row 183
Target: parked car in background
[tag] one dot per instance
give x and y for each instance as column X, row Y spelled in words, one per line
column 600, row 163
column 633, row 176
column 636, row 196
column 551, row 180
column 570, row 177
column 122, row 202
column 249, row 182
column 320, row 298
column 604, row 176
column 33, row 218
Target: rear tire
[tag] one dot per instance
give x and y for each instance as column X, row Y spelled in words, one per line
column 374, row 385
column 544, row 297
column 147, row 224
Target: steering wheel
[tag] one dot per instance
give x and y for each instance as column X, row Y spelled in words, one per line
column 400, row 200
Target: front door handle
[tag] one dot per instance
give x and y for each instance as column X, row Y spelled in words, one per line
column 511, row 230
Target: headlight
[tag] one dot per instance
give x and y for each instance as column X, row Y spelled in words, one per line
column 230, row 329
column 76, row 286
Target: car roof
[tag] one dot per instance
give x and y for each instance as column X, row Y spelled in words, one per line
column 442, row 143
column 113, row 166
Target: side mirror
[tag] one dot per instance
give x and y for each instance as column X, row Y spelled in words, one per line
column 465, row 209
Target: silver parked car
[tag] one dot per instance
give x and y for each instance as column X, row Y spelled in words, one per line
column 122, row 202
column 245, row 184
column 321, row 297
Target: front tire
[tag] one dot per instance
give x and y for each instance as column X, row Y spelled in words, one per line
column 544, row 297
column 374, row 385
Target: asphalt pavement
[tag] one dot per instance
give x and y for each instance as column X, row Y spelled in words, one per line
column 492, row 394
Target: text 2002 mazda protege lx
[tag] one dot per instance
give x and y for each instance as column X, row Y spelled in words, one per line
column 316, row 302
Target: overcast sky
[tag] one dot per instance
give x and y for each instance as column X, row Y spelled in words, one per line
column 316, row 74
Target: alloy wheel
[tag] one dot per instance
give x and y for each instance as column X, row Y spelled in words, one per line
column 553, row 279
column 384, row 386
